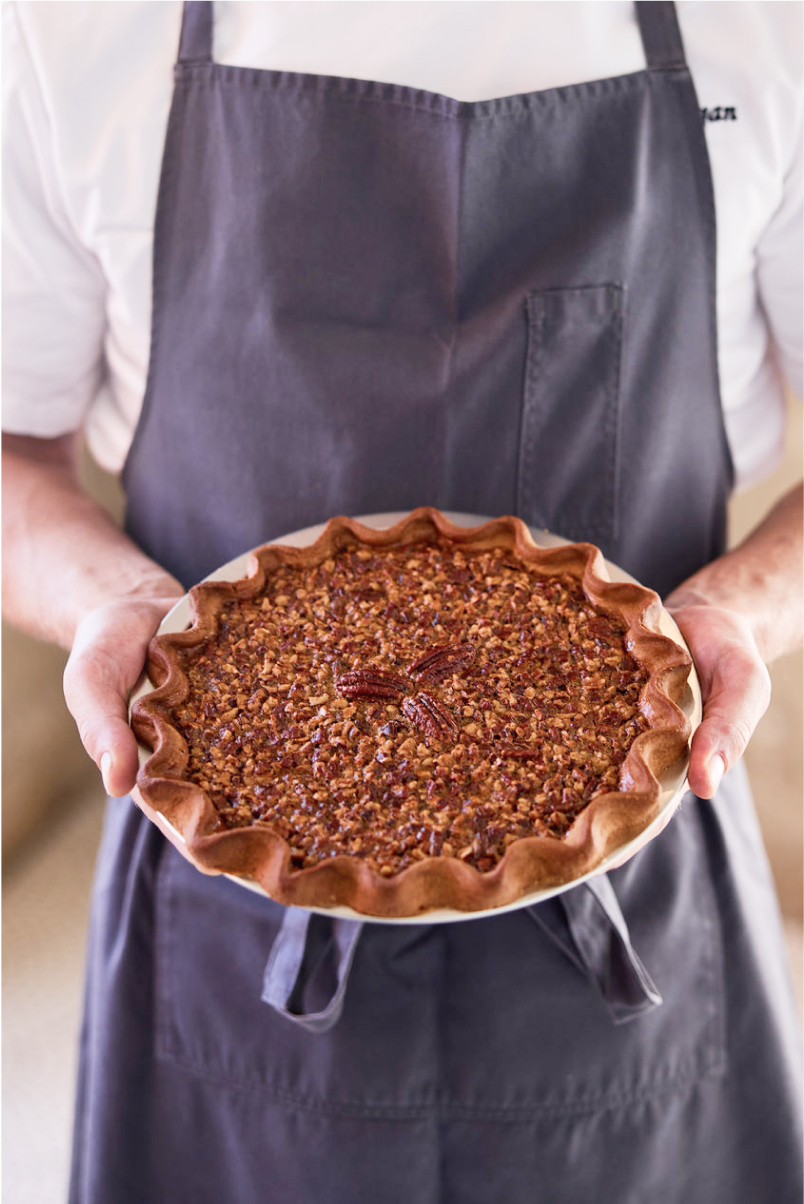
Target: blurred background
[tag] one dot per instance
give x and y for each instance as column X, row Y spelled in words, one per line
column 52, row 811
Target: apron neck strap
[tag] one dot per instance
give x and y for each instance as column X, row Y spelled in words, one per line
column 195, row 45
column 661, row 36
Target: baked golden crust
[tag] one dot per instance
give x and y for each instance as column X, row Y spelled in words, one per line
column 479, row 814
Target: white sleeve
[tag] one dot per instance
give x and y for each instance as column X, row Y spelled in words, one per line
column 53, row 286
column 780, row 268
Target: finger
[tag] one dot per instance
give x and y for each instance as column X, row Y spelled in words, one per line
column 96, row 698
column 737, row 697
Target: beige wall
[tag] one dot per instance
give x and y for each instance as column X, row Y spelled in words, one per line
column 44, row 765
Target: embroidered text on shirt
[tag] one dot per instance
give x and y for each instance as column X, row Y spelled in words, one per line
column 719, row 113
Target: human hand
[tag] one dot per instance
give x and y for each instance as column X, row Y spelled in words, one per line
column 107, row 659
column 738, row 613
column 735, row 686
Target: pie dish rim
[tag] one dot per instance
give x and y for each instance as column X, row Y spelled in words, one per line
column 671, row 785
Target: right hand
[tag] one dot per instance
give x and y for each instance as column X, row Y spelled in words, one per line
column 107, row 659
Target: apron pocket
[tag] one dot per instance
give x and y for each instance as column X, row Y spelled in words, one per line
column 508, row 1018
column 600, row 998
column 249, row 995
column 567, row 472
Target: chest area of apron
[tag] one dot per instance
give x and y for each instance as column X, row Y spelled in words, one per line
column 315, row 212
column 369, row 298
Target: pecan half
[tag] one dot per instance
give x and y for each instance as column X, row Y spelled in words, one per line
column 441, row 661
column 370, row 683
column 426, row 713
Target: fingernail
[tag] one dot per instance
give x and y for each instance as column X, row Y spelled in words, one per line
column 716, row 768
column 105, row 766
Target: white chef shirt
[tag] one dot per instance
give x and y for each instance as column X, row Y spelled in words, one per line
column 87, row 88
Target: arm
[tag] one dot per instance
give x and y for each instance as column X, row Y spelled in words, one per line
column 81, row 583
column 737, row 614
column 72, row 577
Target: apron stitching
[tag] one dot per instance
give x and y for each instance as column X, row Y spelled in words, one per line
column 529, row 104
column 705, row 1063
column 535, row 316
column 615, row 294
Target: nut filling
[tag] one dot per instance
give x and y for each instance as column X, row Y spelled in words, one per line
column 410, row 702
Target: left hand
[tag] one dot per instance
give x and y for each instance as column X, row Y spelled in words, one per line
column 737, row 614
column 735, row 685
column 734, row 682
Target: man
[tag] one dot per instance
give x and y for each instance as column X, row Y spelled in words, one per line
column 366, row 296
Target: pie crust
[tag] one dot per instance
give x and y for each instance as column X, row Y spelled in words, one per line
column 434, row 717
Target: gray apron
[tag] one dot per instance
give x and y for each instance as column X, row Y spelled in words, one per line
column 368, row 297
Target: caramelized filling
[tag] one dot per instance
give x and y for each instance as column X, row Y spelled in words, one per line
column 409, row 703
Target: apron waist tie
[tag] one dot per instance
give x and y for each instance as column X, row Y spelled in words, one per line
column 589, row 927
column 586, row 923
column 301, row 945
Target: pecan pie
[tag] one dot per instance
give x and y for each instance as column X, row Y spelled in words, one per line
column 427, row 716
